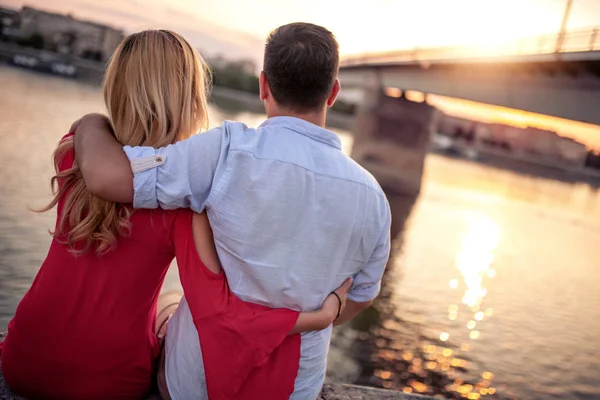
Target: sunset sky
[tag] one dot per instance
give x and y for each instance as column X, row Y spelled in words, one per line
column 360, row 25
column 237, row 28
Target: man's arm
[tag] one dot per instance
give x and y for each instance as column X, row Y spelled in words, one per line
column 103, row 164
column 367, row 282
column 177, row 176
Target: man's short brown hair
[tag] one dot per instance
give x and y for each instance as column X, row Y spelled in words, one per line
column 301, row 64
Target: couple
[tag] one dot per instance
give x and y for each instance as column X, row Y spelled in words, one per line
column 285, row 214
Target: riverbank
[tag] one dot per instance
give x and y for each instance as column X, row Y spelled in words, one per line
column 52, row 63
column 90, row 71
column 242, row 101
column 522, row 164
column 249, row 102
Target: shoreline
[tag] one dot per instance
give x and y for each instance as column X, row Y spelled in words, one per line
column 227, row 97
column 87, row 71
column 51, row 63
column 527, row 166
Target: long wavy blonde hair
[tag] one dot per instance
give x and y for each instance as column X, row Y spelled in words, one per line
column 155, row 90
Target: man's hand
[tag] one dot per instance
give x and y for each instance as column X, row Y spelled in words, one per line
column 100, row 157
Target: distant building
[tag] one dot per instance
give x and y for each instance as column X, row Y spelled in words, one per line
column 66, row 35
column 508, row 137
column 540, row 141
column 543, row 144
column 10, row 21
column 459, row 128
column 572, row 152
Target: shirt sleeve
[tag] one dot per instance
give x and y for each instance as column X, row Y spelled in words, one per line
column 180, row 175
column 367, row 282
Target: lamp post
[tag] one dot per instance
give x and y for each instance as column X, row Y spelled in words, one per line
column 563, row 27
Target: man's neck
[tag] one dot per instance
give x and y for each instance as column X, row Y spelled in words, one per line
column 317, row 118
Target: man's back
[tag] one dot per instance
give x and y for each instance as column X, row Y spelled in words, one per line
column 292, row 217
column 302, row 213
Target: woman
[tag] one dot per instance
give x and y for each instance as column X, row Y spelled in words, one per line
column 85, row 329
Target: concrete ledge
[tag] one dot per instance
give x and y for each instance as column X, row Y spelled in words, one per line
column 338, row 391
column 331, row 391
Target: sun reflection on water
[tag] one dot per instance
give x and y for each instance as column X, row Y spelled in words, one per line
column 438, row 363
column 475, row 258
column 474, row 261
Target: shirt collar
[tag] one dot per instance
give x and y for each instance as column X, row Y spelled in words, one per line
column 305, row 128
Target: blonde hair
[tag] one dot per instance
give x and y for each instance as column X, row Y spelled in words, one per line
column 155, row 89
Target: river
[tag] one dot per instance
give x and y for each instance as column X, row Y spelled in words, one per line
column 494, row 289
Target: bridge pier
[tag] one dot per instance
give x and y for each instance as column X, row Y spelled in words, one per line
column 391, row 139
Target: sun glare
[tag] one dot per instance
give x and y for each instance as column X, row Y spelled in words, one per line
column 487, row 25
column 475, row 258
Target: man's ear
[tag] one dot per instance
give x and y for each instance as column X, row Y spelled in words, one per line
column 335, row 90
column 265, row 92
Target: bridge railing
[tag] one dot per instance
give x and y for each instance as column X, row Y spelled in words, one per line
column 574, row 41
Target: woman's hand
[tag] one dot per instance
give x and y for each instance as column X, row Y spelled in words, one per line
column 333, row 306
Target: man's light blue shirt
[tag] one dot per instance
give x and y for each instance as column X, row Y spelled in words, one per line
column 292, row 216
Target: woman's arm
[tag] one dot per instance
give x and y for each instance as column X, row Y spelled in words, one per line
column 203, row 242
column 327, row 314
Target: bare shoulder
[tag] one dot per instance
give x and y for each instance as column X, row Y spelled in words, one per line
column 204, row 242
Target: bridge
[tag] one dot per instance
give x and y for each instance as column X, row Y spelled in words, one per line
column 556, row 75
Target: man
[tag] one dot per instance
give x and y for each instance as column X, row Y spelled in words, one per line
column 292, row 215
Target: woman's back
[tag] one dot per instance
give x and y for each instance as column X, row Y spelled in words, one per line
column 85, row 329
column 86, row 314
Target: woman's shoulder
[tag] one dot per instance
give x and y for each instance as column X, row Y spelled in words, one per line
column 66, row 158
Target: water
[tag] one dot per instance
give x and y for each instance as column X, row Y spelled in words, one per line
column 519, row 250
